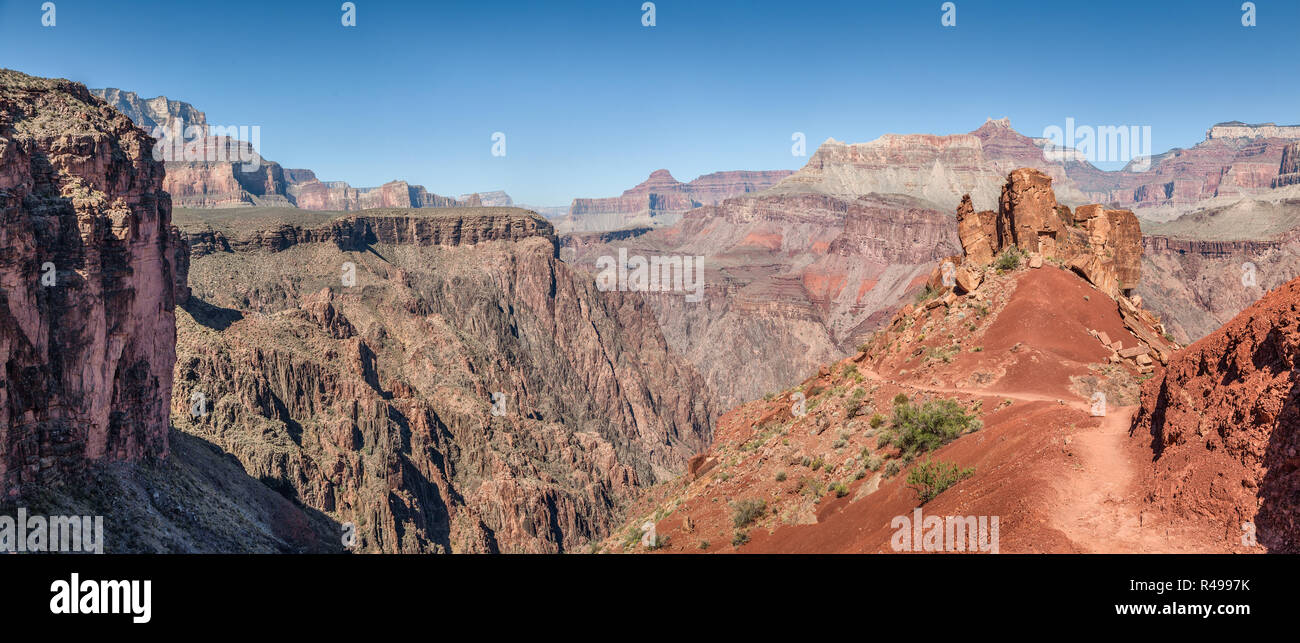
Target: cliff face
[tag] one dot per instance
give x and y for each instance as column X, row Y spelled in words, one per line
column 468, row 392
column 150, row 113
column 1224, row 421
column 90, row 268
column 1289, row 172
column 337, row 196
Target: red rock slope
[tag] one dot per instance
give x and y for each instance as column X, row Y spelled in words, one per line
column 1224, row 424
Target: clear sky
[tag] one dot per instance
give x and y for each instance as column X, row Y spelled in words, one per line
column 591, row 101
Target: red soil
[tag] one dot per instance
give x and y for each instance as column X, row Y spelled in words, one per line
column 1058, row 479
column 1223, row 425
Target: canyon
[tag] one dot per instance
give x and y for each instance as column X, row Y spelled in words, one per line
column 436, row 377
column 1062, row 410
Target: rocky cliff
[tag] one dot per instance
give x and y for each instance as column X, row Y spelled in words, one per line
column 1102, row 245
column 152, row 113
column 1224, row 425
column 335, row 196
column 90, row 267
column 1289, row 171
column 438, row 378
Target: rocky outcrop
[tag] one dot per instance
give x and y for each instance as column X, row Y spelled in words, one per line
column 1224, row 421
column 1105, row 246
column 88, row 281
column 468, row 392
column 496, row 199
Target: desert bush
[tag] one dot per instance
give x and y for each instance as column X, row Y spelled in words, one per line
column 745, row 512
column 1009, row 259
column 926, row 427
column 931, row 477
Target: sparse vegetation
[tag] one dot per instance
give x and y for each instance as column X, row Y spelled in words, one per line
column 926, row 427
column 877, row 420
column 927, row 293
column 893, row 469
column 841, row 489
column 1009, row 259
column 745, row 512
column 780, row 476
column 931, row 477
column 739, row 538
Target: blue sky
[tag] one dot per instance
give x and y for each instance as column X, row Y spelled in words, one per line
column 591, row 101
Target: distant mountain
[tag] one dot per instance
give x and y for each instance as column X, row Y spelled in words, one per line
column 661, row 199
column 240, row 177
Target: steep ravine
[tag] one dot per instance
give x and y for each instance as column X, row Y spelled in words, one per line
column 373, row 399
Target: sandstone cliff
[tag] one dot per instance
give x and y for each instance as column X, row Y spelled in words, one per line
column 88, row 280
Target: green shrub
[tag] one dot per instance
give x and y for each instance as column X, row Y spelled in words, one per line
column 926, row 427
column 893, row 469
column 931, row 477
column 704, row 544
column 745, row 512
column 780, row 476
column 739, row 538
column 877, row 420
column 1009, row 259
column 841, row 489
column 927, row 293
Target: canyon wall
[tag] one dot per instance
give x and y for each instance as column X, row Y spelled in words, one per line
column 90, row 268
column 437, row 378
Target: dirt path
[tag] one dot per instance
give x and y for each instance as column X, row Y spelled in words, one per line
column 1098, row 508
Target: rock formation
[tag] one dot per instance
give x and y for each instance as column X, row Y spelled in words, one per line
column 90, row 267
column 1105, row 246
column 1224, row 421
